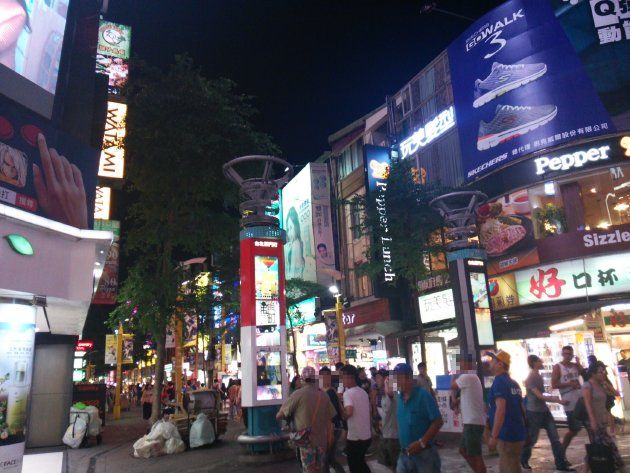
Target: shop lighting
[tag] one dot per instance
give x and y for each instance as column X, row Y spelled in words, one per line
column 622, row 186
column 550, row 188
column 334, row 289
column 621, row 207
column 566, row 325
column 603, row 225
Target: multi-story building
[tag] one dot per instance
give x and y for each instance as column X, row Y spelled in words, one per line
column 537, row 126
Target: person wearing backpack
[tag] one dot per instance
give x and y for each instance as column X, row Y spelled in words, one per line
column 325, row 376
column 312, row 413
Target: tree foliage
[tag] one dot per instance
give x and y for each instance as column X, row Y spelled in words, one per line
column 181, row 129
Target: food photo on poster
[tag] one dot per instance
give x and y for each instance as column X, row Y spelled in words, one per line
column 519, row 86
column 45, row 171
column 31, row 39
column 506, row 231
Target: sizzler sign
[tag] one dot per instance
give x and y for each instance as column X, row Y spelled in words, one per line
column 570, row 160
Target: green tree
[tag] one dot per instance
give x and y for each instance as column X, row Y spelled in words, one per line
column 181, row 129
column 410, row 227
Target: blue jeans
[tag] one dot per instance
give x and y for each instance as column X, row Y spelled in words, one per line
column 427, row 461
column 544, row 420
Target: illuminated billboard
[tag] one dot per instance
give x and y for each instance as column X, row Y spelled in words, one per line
column 30, row 151
column 107, row 290
column 102, row 203
column 114, row 39
column 117, row 69
column 533, row 74
column 31, row 39
column 267, row 281
column 112, row 162
column 306, row 217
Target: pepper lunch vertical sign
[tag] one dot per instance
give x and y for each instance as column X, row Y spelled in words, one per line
column 377, row 161
column 17, row 338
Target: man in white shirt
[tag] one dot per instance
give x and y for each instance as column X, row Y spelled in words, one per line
column 472, row 407
column 356, row 405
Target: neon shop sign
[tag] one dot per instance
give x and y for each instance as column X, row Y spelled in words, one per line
column 428, row 133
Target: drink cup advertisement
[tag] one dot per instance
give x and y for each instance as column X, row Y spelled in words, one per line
column 41, row 167
column 519, row 86
column 17, row 340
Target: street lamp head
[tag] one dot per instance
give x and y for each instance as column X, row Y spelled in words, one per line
column 334, row 289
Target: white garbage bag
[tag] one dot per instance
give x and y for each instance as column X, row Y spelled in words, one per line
column 144, row 448
column 169, row 431
column 174, row 445
column 96, row 425
column 75, row 433
column 157, row 430
column 201, row 432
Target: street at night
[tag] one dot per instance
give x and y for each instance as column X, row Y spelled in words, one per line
column 319, row 236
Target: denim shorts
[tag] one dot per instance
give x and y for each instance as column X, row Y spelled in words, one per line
column 573, row 424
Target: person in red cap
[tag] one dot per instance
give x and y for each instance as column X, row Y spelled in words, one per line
column 506, row 416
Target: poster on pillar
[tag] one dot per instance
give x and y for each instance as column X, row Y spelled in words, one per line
column 17, row 339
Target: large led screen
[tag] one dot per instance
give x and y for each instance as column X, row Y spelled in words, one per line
column 31, row 40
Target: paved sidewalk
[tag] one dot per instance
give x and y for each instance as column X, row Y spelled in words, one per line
column 115, row 454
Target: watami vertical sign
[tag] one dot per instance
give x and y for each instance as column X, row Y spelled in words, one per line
column 112, row 162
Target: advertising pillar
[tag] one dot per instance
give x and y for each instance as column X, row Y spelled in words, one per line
column 263, row 334
column 467, row 270
column 17, row 339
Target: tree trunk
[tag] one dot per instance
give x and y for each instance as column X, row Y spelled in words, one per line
column 294, row 352
column 416, row 310
column 160, row 343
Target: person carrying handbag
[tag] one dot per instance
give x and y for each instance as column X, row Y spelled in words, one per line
column 602, row 453
column 312, row 413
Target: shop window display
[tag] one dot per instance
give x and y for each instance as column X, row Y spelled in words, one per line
column 596, row 200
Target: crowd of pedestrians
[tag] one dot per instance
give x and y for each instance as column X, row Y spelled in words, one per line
column 395, row 415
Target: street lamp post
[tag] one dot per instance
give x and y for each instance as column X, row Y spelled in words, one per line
column 341, row 333
column 119, row 360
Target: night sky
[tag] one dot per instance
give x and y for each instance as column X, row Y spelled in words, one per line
column 313, row 66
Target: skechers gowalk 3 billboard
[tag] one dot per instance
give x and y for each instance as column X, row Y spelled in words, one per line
column 533, row 74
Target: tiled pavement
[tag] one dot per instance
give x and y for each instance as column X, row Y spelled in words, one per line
column 115, row 454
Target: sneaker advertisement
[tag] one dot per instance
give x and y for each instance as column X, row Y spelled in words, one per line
column 519, row 86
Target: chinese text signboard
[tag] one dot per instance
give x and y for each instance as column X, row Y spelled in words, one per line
column 519, row 86
column 267, row 301
column 573, row 279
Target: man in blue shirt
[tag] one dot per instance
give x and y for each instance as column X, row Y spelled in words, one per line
column 419, row 421
column 506, row 415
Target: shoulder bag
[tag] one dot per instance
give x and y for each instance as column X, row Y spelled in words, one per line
column 302, row 438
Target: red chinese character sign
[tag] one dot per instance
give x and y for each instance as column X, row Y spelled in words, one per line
column 263, row 335
column 594, row 276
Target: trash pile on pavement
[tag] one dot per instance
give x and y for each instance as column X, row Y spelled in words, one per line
column 164, row 439
column 201, row 432
column 84, row 422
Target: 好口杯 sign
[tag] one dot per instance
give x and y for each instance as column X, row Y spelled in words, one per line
column 593, row 276
column 429, row 132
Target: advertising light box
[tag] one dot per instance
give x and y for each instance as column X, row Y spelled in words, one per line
column 533, row 74
column 267, row 301
column 595, row 276
column 112, row 162
column 32, row 34
column 437, row 306
column 114, row 39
